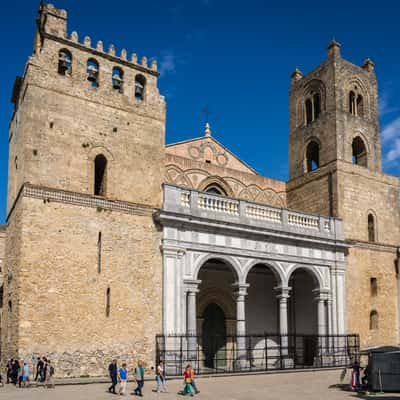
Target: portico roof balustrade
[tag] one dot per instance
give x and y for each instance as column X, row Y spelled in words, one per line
column 179, row 203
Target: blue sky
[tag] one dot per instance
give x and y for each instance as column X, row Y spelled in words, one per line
column 235, row 56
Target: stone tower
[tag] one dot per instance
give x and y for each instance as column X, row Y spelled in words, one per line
column 335, row 169
column 86, row 164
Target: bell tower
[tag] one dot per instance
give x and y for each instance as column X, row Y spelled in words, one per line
column 334, row 116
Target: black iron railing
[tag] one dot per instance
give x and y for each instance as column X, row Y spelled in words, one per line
column 232, row 353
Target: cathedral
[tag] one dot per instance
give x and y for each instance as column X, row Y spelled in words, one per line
column 118, row 245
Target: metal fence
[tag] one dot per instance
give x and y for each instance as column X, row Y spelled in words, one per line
column 232, row 353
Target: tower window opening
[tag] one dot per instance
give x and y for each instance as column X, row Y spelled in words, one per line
column 92, row 71
column 100, row 170
column 356, row 103
column 1, row 296
column 108, row 302
column 352, row 103
column 360, row 106
column 140, row 85
column 309, row 111
column 9, row 306
column 359, row 152
column 374, row 287
column 373, row 320
column 317, row 105
column 99, row 253
column 64, row 62
column 312, row 156
column 371, row 228
column 118, row 79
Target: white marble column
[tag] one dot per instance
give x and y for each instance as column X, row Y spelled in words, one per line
column 240, row 294
column 191, row 318
column 283, row 298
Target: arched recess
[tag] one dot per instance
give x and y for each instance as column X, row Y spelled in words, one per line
column 93, row 153
column 312, row 103
column 359, row 151
column 229, row 261
column 216, row 182
column 356, row 98
column 372, row 226
column 312, row 155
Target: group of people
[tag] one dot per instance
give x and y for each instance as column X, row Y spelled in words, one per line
column 18, row 372
column 120, row 376
column 356, row 382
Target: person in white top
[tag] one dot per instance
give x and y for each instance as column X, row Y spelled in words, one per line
column 161, row 385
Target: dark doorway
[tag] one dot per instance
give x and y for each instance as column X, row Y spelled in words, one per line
column 214, row 337
column 310, row 347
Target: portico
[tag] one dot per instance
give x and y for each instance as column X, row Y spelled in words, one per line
column 240, row 268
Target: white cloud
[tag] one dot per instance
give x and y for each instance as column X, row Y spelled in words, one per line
column 384, row 106
column 394, row 153
column 167, row 63
column 391, row 130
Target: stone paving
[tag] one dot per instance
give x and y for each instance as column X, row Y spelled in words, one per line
column 321, row 385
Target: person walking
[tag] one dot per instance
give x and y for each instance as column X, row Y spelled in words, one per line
column 14, row 375
column 44, row 370
column 39, row 370
column 50, row 376
column 123, row 377
column 25, row 375
column 9, row 370
column 139, row 379
column 187, row 380
column 20, row 372
column 113, row 371
column 160, row 377
column 193, row 381
column 355, row 375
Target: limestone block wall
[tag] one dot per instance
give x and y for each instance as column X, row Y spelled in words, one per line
column 62, row 294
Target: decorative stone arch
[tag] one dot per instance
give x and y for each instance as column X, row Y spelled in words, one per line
column 273, row 266
column 306, row 156
column 310, row 89
column 356, row 85
column 231, row 262
column 220, row 297
column 313, row 271
column 271, row 197
column 91, row 156
column 217, row 182
column 171, row 173
column 250, row 192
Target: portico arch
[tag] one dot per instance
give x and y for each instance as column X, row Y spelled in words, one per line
column 315, row 274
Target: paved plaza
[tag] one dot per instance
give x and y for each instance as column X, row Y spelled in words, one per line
column 288, row 386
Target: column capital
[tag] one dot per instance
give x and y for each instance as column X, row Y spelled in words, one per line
column 176, row 251
column 321, row 294
column 240, row 289
column 283, row 292
column 192, row 285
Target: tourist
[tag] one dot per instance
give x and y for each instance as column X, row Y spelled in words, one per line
column 9, row 370
column 122, row 376
column 39, row 370
column 160, row 377
column 187, row 380
column 355, row 375
column 44, row 370
column 25, row 375
column 20, row 373
column 139, row 379
column 14, row 372
column 50, row 376
column 193, row 381
column 113, row 371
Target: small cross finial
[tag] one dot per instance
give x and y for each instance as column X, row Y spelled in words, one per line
column 207, row 130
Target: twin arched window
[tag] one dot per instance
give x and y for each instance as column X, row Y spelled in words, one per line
column 312, row 108
column 312, row 156
column 356, row 103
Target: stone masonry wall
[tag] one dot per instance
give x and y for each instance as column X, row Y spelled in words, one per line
column 62, row 294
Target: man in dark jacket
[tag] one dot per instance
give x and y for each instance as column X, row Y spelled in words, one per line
column 39, row 369
column 113, row 371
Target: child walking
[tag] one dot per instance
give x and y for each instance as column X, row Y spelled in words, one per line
column 123, row 377
column 187, row 379
column 161, row 378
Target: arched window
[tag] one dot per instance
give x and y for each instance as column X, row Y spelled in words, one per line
column 9, row 306
column 140, row 87
column 309, row 111
column 352, row 103
column 359, row 150
column 312, row 156
column 356, row 102
column 360, row 106
column 118, row 79
column 108, row 301
column 371, row 228
column 374, row 287
column 64, row 62
column 317, row 105
column 100, row 170
column 373, row 320
column 92, row 71
column 215, row 189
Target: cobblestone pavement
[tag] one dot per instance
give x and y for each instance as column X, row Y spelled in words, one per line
column 287, row 386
